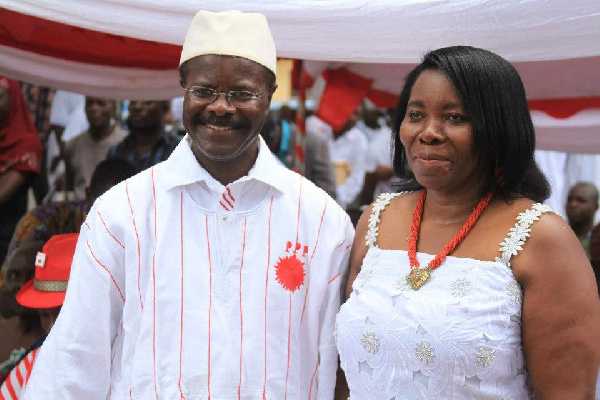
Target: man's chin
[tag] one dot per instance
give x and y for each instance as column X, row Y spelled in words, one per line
column 224, row 153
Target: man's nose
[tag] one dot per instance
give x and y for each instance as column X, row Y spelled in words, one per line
column 221, row 105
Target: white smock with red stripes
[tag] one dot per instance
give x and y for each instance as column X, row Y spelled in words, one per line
column 182, row 288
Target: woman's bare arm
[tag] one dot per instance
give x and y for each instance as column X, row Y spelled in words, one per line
column 359, row 249
column 561, row 312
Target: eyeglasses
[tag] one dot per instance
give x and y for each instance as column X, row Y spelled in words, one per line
column 235, row 98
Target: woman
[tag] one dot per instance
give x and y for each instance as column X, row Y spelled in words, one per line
column 466, row 287
column 20, row 154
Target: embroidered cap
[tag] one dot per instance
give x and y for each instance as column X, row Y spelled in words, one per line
column 48, row 288
column 230, row 33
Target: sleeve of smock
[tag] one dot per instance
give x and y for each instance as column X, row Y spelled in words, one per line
column 332, row 299
column 75, row 360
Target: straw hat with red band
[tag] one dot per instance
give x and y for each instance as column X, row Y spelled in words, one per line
column 52, row 269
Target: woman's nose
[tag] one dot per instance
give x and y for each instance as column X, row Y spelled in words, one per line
column 432, row 132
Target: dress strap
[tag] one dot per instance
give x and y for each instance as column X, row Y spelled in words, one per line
column 382, row 201
column 518, row 235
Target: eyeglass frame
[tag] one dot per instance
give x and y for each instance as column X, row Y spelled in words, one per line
column 228, row 94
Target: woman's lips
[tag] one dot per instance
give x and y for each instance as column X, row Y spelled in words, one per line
column 432, row 161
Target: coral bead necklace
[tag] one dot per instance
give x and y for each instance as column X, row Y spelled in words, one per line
column 418, row 277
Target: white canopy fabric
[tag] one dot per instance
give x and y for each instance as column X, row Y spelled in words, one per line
column 375, row 31
column 129, row 48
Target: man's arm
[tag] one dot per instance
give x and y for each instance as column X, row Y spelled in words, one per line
column 332, row 299
column 75, row 360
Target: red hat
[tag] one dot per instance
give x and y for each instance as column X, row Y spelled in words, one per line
column 52, row 269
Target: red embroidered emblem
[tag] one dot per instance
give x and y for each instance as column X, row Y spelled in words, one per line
column 289, row 270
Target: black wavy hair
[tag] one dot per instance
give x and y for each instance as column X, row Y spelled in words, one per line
column 494, row 99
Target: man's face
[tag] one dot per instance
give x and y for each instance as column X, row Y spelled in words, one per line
column 146, row 116
column 581, row 204
column 221, row 131
column 99, row 112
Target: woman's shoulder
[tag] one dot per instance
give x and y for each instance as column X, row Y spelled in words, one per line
column 386, row 210
column 548, row 241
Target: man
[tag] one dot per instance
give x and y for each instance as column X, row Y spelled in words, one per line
column 67, row 120
column 148, row 143
column 215, row 274
column 19, row 326
column 43, row 295
column 379, row 174
column 347, row 147
column 306, row 154
column 582, row 204
column 85, row 151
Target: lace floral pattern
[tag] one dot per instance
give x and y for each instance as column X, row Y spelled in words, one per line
column 461, row 287
column 485, row 356
column 382, row 201
column 515, row 292
column 517, row 235
column 370, row 342
column 460, row 334
column 424, row 352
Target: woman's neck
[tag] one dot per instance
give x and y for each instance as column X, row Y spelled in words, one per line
column 451, row 208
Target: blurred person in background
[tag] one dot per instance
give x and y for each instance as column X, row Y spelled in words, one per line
column 347, row 147
column 147, row 143
column 67, row 120
column 306, row 154
column 582, row 204
column 19, row 326
column 20, row 157
column 85, row 151
column 44, row 294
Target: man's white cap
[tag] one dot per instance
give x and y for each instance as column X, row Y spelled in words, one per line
column 230, row 33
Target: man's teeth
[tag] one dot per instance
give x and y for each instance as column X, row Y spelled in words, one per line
column 219, row 128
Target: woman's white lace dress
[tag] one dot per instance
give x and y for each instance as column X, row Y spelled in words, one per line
column 458, row 337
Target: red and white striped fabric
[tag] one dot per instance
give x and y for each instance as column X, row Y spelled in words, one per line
column 184, row 288
column 13, row 386
column 565, row 109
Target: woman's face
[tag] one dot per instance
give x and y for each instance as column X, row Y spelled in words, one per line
column 4, row 104
column 437, row 134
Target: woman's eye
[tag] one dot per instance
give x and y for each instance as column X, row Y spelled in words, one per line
column 414, row 115
column 457, row 118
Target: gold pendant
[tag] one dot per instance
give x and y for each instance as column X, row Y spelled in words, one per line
column 418, row 277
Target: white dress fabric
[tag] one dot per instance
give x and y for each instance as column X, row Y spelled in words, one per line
column 457, row 337
column 182, row 288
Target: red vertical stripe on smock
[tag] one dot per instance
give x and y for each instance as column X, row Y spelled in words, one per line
column 181, row 311
column 266, row 287
column 137, row 238
column 209, row 299
column 241, row 311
